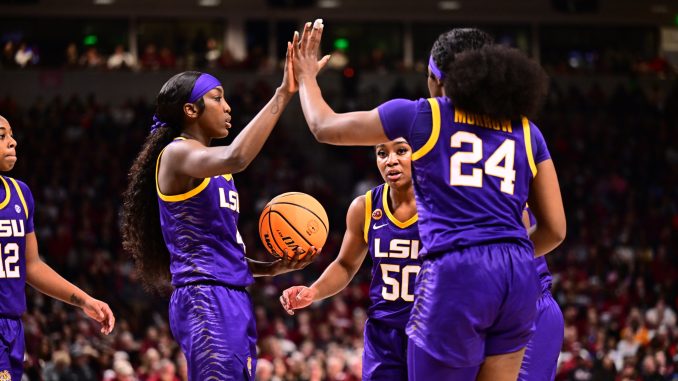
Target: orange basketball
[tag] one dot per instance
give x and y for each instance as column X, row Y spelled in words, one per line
column 292, row 220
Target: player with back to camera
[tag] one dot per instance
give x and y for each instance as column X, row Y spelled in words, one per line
column 477, row 161
column 541, row 354
column 180, row 218
column 20, row 263
column 382, row 222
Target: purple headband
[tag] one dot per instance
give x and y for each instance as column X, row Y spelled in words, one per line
column 434, row 69
column 203, row 84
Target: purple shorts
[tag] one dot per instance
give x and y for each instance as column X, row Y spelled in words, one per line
column 385, row 354
column 215, row 328
column 11, row 349
column 476, row 302
column 541, row 356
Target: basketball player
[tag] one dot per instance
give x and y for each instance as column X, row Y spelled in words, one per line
column 180, row 220
column 477, row 160
column 541, row 353
column 20, row 263
column 382, row 222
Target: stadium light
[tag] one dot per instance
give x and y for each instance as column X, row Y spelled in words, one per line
column 209, row 3
column 329, row 4
column 449, row 5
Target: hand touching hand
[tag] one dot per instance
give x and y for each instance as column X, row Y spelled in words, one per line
column 305, row 54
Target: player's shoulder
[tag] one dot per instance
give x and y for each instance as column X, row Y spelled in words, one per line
column 22, row 185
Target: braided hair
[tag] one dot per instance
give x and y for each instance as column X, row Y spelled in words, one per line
column 141, row 232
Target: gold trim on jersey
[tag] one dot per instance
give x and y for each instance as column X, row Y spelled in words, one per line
column 21, row 195
column 177, row 197
column 228, row 177
column 435, row 130
column 7, row 193
column 368, row 213
column 528, row 146
column 387, row 210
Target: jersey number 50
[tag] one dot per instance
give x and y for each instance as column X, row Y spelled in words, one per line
column 8, row 260
column 506, row 153
column 398, row 288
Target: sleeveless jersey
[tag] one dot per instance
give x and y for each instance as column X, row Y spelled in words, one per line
column 16, row 220
column 200, row 228
column 394, row 248
column 471, row 173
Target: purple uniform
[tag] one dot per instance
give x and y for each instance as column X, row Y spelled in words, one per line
column 541, row 355
column 211, row 313
column 394, row 248
column 477, row 289
column 16, row 221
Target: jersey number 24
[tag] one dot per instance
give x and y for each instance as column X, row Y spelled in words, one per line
column 505, row 153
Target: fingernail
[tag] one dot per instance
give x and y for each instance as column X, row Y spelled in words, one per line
column 308, row 24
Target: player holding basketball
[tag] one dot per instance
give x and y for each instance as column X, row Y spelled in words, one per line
column 477, row 161
column 382, row 222
column 20, row 263
column 180, row 218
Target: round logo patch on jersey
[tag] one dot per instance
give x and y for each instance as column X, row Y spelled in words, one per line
column 377, row 214
column 17, row 208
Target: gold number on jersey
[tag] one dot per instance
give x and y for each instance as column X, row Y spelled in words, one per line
column 8, row 259
column 398, row 289
column 506, row 153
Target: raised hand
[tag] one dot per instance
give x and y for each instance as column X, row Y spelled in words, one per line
column 289, row 83
column 306, row 47
column 297, row 297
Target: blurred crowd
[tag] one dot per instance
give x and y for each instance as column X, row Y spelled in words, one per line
column 205, row 52
column 614, row 277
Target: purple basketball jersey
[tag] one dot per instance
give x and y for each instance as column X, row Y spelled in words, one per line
column 16, row 220
column 394, row 248
column 471, row 173
column 200, row 229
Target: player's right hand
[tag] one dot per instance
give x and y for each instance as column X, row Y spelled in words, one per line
column 297, row 297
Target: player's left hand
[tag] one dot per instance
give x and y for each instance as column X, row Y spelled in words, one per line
column 287, row 263
column 101, row 312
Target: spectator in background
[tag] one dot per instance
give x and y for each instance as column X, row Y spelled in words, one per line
column 150, row 60
column 7, row 59
column 25, row 55
column 213, row 53
column 121, row 59
column 72, row 56
column 91, row 59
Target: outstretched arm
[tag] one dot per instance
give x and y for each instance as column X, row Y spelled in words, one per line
column 353, row 128
column 44, row 279
column 340, row 272
column 197, row 161
column 547, row 205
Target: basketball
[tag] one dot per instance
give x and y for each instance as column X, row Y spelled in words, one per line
column 293, row 220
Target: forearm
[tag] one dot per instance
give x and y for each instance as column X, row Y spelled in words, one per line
column 251, row 139
column 334, row 279
column 317, row 112
column 545, row 240
column 259, row 268
column 44, row 279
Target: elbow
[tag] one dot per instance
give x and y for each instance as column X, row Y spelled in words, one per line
column 238, row 161
column 318, row 132
column 558, row 234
